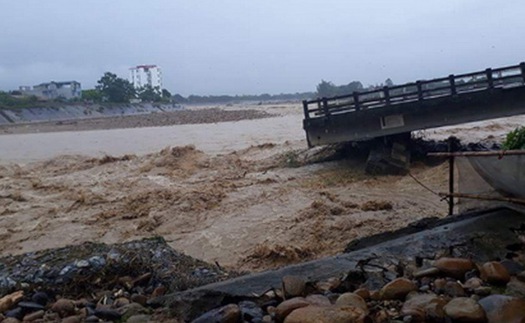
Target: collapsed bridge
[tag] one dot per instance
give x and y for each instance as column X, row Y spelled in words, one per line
column 397, row 110
column 455, row 99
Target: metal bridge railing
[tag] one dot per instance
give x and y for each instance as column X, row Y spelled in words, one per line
column 451, row 85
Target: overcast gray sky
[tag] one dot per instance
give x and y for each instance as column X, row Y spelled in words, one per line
column 256, row 46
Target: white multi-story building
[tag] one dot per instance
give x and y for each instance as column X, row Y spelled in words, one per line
column 143, row 75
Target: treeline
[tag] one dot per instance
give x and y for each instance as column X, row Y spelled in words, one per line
column 14, row 100
column 112, row 89
column 328, row 89
column 224, row 99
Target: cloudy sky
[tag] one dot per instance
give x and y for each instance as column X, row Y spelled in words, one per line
column 256, row 46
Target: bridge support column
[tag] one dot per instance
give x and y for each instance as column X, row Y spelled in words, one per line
column 389, row 155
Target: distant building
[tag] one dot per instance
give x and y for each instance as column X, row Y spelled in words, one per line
column 143, row 75
column 54, row 90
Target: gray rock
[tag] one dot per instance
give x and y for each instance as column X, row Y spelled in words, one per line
column 351, row 299
column 454, row 289
column 141, row 318
column 293, row 286
column 108, row 314
column 226, row 314
column 422, row 307
column 513, row 268
column 250, row 311
column 464, row 309
column 502, row 308
column 516, row 288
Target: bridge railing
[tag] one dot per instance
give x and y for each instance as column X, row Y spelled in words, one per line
column 416, row 91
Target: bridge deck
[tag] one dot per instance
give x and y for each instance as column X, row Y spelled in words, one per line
column 455, row 99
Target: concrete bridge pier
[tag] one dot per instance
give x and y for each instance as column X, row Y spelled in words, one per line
column 389, row 155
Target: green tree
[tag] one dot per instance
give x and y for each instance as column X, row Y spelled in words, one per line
column 166, row 94
column 148, row 93
column 115, row 89
column 177, row 98
column 326, row 89
column 92, row 95
column 388, row 82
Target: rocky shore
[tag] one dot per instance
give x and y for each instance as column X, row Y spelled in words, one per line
column 92, row 281
column 425, row 276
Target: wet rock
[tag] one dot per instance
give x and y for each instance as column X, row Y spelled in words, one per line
column 319, row 300
column 226, row 314
column 72, row 319
column 328, row 285
column 397, row 289
column 141, row 299
column 351, row 299
column 92, row 319
column 501, row 308
column 333, row 314
column 464, row 309
column 516, row 288
column 293, row 286
column 483, row 291
column 16, row 313
column 131, row 309
column 439, row 285
column 454, row 289
column 494, row 273
column 521, row 276
column 363, row 292
column 10, row 300
column 159, row 291
column 10, row 320
column 64, row 307
column 51, row 317
column 513, row 268
column 40, row 298
column 34, row 316
column 141, row 318
column 432, row 271
column 250, row 311
column 454, row 267
column 473, row 283
column 121, row 301
column 286, row 307
column 108, row 314
column 31, row 306
column 422, row 307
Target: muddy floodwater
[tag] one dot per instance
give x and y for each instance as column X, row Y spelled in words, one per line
column 214, row 138
column 248, row 194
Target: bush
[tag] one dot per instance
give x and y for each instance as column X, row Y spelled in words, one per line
column 515, row 139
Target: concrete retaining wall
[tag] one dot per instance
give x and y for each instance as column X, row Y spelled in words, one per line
column 71, row 112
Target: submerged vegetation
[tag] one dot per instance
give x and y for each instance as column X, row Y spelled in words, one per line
column 515, row 139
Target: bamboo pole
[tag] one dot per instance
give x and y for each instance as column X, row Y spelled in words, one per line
column 484, row 197
column 500, row 153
